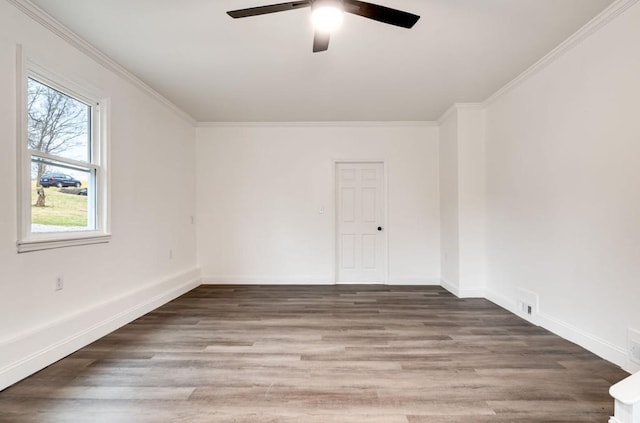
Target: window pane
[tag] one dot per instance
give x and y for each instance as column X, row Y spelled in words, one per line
column 61, row 198
column 57, row 124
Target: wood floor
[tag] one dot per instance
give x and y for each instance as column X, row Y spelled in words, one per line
column 327, row 354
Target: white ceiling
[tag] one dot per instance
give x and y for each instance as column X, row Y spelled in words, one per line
column 261, row 69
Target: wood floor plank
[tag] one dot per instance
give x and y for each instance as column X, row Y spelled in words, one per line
column 348, row 354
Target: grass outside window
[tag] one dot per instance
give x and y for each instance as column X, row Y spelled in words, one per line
column 62, row 209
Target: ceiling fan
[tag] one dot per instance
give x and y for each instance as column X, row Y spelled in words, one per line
column 327, row 15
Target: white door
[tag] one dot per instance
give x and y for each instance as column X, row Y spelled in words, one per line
column 361, row 241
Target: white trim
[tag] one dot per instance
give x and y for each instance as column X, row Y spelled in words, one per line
column 266, row 280
column 602, row 348
column 103, row 180
column 596, row 345
column 609, row 14
column 386, row 228
column 44, row 19
column 509, row 305
column 471, row 293
column 462, row 293
column 72, row 85
column 501, row 300
column 308, row 280
column 39, row 347
column 449, row 286
column 459, row 106
column 339, row 124
column 413, row 281
column 65, row 162
column 385, row 206
column 23, row 184
column 334, row 227
column 71, row 239
column 98, row 165
column 57, row 28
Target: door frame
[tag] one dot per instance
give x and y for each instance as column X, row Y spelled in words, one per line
column 385, row 212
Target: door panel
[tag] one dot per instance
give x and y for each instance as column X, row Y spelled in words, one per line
column 348, row 251
column 369, row 212
column 361, row 248
column 348, row 205
column 369, row 259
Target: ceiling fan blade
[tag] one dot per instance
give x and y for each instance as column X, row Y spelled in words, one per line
column 320, row 41
column 381, row 13
column 272, row 8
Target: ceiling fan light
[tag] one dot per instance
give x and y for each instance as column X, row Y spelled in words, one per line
column 327, row 16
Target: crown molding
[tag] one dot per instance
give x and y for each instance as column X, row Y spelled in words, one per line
column 594, row 25
column 338, row 124
column 459, row 107
column 47, row 21
column 56, row 27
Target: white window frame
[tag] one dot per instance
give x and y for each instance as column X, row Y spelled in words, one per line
column 98, row 198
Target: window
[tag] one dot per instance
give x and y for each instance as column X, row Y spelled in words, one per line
column 62, row 165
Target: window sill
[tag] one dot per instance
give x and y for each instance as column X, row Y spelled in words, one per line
column 37, row 244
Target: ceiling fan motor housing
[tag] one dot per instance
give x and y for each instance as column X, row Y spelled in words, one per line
column 339, row 4
column 327, row 15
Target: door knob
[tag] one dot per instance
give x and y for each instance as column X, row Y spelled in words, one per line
column 379, row 228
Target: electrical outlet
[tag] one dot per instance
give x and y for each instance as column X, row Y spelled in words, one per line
column 59, row 283
column 634, row 345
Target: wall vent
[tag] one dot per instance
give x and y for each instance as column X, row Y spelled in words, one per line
column 527, row 303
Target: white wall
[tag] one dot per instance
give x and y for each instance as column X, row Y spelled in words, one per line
column 152, row 188
column 462, row 194
column 449, row 219
column 563, row 190
column 261, row 187
column 471, row 198
column 562, row 204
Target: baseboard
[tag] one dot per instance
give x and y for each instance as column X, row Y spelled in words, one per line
column 596, row 345
column 266, row 280
column 303, row 280
column 462, row 292
column 471, row 293
column 58, row 339
column 602, row 348
column 449, row 286
column 499, row 299
column 414, row 281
